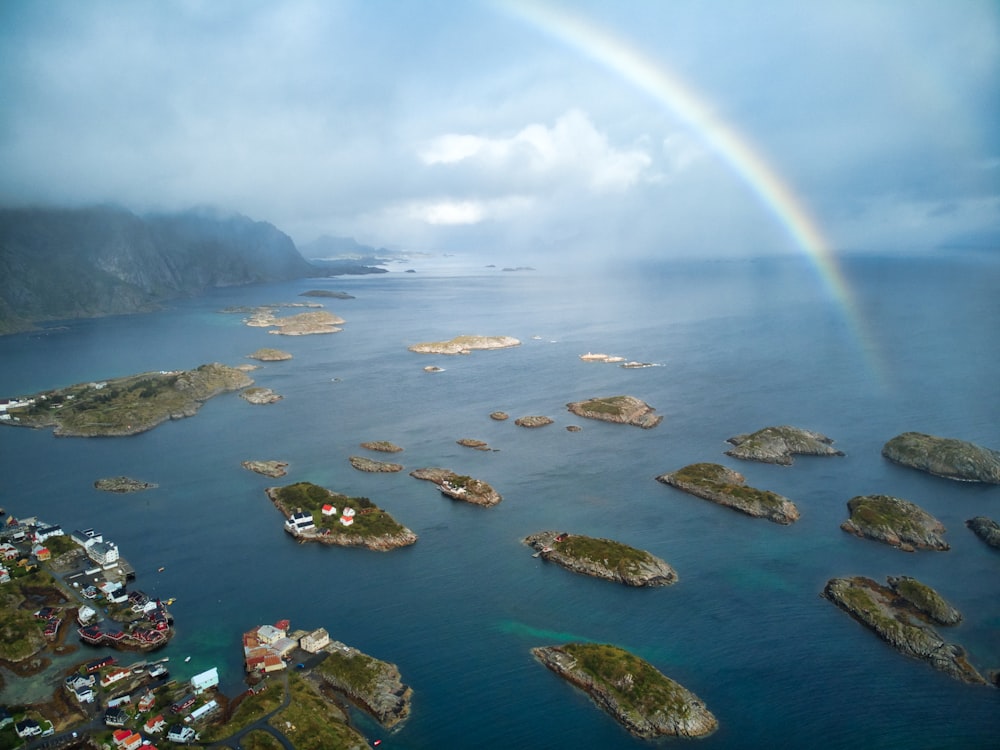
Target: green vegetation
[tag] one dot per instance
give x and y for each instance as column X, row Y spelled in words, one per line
column 260, row 740
column 128, row 405
column 611, row 554
column 716, row 478
column 883, row 511
column 637, row 685
column 311, row 723
column 369, row 521
column 251, row 708
column 613, row 405
column 355, row 671
column 20, row 634
column 60, row 545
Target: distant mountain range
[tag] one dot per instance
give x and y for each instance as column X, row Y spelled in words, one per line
column 74, row 263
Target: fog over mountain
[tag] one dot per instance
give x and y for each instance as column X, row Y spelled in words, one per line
column 70, row 263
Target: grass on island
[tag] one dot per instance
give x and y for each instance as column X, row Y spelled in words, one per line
column 355, row 670
column 613, row 405
column 883, row 511
column 250, row 709
column 21, row 634
column 614, row 555
column 921, row 596
column 713, row 477
column 860, row 598
column 311, row 723
column 127, row 403
column 260, row 740
column 369, row 521
column 636, row 683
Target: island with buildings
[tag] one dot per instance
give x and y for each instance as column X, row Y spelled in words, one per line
column 638, row 696
column 123, row 406
column 459, row 486
column 315, row 514
column 724, row 486
column 602, row 558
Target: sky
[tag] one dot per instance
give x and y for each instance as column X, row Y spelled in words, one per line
column 638, row 128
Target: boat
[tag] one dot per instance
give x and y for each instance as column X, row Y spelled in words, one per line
column 187, row 659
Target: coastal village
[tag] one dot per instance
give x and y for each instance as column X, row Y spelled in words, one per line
column 110, row 701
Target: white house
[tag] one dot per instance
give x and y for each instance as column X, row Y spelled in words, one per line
column 180, row 734
column 299, row 522
column 205, row 681
column 315, row 641
column 103, row 553
column 202, row 711
column 347, row 517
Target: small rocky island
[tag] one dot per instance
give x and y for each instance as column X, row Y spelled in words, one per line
column 533, row 421
column 126, row 406
column 370, row 465
column 270, row 355
column 620, row 409
column 315, row 514
column 986, row 529
column 464, row 344
column 602, row 558
column 896, row 522
column 382, row 446
column 299, row 324
column 459, row 486
column 898, row 615
column 326, row 293
column 777, row 445
column 259, row 395
column 638, row 696
column 724, row 486
column 944, row 457
column 479, row 445
column 123, row 484
column 273, row 469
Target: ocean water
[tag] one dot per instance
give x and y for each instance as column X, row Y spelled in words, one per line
column 738, row 346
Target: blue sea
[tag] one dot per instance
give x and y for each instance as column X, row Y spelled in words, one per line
column 913, row 344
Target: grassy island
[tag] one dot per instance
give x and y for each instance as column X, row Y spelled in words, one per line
column 464, row 344
column 129, row 405
column 620, row 409
column 602, row 558
column 727, row 487
column 895, row 521
column 641, row 698
column 372, row 527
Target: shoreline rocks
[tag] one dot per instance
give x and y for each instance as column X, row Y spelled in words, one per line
column 464, row 344
column 724, row 486
column 272, row 469
column 643, row 700
column 602, row 558
column 894, row 521
column 902, row 627
column 459, row 486
column 382, row 446
column 259, row 395
column 944, row 457
column 372, row 466
column 380, row 691
column 479, row 445
column 533, row 421
column 123, row 484
column 777, row 445
column 619, row 409
column 270, row 355
column 986, row 529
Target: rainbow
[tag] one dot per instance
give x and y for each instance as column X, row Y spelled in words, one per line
column 657, row 81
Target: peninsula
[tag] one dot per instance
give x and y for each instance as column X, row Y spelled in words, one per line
column 776, row 445
column 944, row 457
column 602, row 558
column 638, row 696
column 315, row 514
column 727, row 487
column 896, row 522
column 895, row 619
column 459, row 486
column 125, row 406
column 464, row 344
column 620, row 409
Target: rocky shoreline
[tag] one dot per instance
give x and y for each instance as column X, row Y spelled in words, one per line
column 381, row 693
column 644, row 701
column 370, row 465
column 273, row 469
column 724, row 486
column 901, row 625
column 464, row 344
column 986, row 529
column 123, row 484
column 459, row 486
column 602, row 558
column 619, row 409
column 896, row 522
column 944, row 457
column 777, row 445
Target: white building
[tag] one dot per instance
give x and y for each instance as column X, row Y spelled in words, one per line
column 315, row 641
column 347, row 517
column 205, row 681
column 103, row 553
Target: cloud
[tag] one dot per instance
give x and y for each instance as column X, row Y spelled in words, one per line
column 571, row 150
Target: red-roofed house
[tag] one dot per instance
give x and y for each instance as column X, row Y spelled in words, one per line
column 120, row 736
column 156, row 724
column 114, row 676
